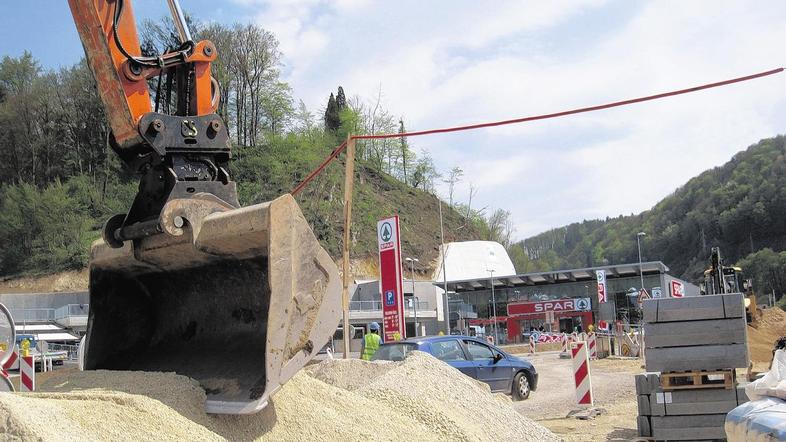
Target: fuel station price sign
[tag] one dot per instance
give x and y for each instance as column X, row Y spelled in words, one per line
column 390, row 283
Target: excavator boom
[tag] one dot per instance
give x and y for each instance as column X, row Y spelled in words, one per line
column 239, row 299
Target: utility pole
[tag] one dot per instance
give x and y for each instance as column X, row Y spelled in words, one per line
column 444, row 272
column 493, row 305
column 641, row 269
column 412, row 262
column 349, row 187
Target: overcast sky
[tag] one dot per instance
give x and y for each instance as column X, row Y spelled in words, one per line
column 441, row 63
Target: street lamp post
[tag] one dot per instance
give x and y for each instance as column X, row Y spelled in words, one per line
column 493, row 305
column 415, row 306
column 412, row 262
column 641, row 275
column 641, row 269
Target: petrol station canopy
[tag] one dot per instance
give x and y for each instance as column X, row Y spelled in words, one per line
column 555, row 277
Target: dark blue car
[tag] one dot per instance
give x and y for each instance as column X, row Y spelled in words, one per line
column 475, row 358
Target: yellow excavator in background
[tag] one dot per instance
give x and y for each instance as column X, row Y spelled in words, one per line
column 720, row 279
column 238, row 298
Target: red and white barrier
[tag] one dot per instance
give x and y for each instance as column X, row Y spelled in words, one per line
column 531, row 344
column 592, row 346
column 565, row 340
column 544, row 338
column 12, row 358
column 27, row 374
column 581, row 373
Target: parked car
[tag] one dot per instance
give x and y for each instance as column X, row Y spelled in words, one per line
column 473, row 357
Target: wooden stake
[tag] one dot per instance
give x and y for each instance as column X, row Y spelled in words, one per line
column 349, row 185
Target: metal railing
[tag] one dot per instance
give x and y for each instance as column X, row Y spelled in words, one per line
column 33, row 314
column 23, row 315
column 72, row 349
column 365, row 305
column 377, row 305
column 70, row 310
column 422, row 305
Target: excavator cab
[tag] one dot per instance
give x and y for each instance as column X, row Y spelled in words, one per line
column 720, row 279
column 238, row 298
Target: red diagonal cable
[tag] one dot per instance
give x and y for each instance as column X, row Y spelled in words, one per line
column 333, row 155
column 340, row 148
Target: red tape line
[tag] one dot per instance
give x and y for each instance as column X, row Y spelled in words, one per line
column 333, row 155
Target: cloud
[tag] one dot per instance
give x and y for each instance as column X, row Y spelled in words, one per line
column 445, row 63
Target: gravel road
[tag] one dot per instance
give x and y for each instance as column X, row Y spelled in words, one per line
column 613, row 388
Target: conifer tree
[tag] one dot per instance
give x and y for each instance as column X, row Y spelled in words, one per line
column 332, row 120
column 341, row 99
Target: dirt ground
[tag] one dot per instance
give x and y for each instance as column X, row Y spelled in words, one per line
column 57, row 282
column 770, row 324
column 613, row 388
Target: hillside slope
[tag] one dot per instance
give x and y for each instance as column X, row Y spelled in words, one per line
column 740, row 206
column 378, row 195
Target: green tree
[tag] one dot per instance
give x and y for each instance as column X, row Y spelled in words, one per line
column 767, row 270
column 332, row 118
column 405, row 152
column 454, row 176
column 277, row 106
column 341, row 99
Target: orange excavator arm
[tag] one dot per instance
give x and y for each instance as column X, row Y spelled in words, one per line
column 184, row 152
column 109, row 35
column 125, row 99
column 239, row 299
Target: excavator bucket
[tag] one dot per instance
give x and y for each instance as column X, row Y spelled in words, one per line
column 238, row 299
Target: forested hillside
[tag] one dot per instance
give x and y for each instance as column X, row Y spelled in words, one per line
column 740, row 206
column 59, row 179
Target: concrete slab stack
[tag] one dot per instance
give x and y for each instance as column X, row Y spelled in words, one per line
column 692, row 346
column 696, row 414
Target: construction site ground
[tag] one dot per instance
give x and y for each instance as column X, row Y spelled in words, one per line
column 550, row 406
column 613, row 388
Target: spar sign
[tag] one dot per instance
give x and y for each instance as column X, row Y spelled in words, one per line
column 558, row 305
column 601, row 275
column 677, row 289
column 390, row 279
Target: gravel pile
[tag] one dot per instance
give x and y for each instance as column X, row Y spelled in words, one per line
column 345, row 400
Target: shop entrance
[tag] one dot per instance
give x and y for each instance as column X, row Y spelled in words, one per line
column 566, row 324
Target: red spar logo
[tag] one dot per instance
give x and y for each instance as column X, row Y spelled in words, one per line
column 556, row 306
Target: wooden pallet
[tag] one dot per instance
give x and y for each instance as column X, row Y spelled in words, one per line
column 697, row 379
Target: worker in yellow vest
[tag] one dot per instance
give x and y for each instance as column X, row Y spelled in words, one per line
column 371, row 342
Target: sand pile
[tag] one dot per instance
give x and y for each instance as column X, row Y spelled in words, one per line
column 456, row 406
column 420, row 398
column 761, row 338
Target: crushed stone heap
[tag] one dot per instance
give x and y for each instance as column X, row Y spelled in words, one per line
column 420, row 398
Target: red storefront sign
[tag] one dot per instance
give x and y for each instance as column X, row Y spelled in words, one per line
column 601, row 276
column 559, row 305
column 390, row 279
column 677, row 289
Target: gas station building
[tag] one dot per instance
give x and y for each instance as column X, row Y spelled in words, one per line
column 560, row 300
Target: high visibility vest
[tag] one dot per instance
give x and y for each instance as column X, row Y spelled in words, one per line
column 371, row 344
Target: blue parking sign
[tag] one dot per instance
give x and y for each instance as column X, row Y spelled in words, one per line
column 389, row 298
